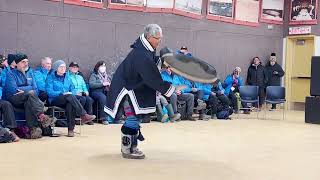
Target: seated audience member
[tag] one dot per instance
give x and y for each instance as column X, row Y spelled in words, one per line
column 22, row 93
column 8, row 117
column 40, row 75
column 232, row 83
column 274, row 73
column 161, row 101
column 218, row 89
column 9, row 65
column 209, row 97
column 184, row 50
column 62, row 93
column 168, row 76
column 197, row 95
column 80, row 88
column 99, row 83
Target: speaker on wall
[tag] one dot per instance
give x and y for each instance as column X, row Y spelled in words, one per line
column 315, row 76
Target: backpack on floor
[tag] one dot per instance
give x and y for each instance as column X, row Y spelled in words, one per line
column 5, row 136
column 224, row 113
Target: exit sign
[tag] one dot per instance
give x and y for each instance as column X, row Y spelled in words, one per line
column 299, row 30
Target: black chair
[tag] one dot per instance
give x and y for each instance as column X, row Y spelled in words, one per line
column 275, row 95
column 249, row 94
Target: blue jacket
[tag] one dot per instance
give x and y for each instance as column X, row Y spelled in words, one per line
column 17, row 80
column 218, row 89
column 229, row 83
column 206, row 88
column 179, row 80
column 57, row 85
column 166, row 77
column 40, row 75
column 78, row 82
column 188, row 54
column 4, row 73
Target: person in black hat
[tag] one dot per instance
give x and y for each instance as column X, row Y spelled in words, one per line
column 9, row 64
column 81, row 90
column 21, row 92
column 274, row 74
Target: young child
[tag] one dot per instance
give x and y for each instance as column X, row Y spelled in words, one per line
column 161, row 116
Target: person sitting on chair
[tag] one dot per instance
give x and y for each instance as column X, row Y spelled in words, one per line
column 62, row 93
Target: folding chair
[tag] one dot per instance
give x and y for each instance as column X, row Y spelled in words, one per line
column 249, row 94
column 275, row 95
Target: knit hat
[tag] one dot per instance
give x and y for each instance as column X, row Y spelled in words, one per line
column 273, row 57
column 74, row 64
column 273, row 54
column 58, row 63
column 19, row 57
column 11, row 58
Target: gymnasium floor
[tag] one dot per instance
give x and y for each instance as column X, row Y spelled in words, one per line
column 241, row 149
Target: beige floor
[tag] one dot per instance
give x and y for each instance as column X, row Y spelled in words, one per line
column 242, row 149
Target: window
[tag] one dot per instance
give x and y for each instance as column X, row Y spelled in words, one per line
column 133, row 5
column 247, row 12
column 303, row 12
column 272, row 11
column 159, row 5
column 190, row 8
column 221, row 10
column 88, row 3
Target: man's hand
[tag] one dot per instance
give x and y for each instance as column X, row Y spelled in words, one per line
column 79, row 94
column 178, row 92
column 213, row 93
column 194, row 89
column 66, row 93
column 106, row 84
column 275, row 72
column 180, row 87
column 19, row 92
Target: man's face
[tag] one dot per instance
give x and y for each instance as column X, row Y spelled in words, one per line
column 23, row 65
column 155, row 40
column 74, row 69
column 47, row 64
column 272, row 63
column 61, row 69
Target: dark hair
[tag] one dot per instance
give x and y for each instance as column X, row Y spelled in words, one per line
column 254, row 58
column 96, row 67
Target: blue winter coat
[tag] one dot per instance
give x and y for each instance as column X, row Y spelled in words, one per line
column 4, row 73
column 40, row 75
column 78, row 82
column 206, row 88
column 17, row 80
column 229, row 82
column 57, row 85
column 166, row 77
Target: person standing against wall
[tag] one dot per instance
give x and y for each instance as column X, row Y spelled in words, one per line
column 274, row 74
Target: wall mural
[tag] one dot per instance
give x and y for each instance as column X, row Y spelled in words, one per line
column 303, row 11
column 272, row 11
column 247, row 12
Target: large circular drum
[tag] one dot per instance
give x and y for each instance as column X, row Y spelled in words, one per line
column 191, row 68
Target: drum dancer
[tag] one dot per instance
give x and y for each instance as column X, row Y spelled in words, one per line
column 134, row 87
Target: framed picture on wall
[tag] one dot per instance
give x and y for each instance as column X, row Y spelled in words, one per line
column 303, row 12
column 159, row 6
column 220, row 10
column 88, row 3
column 133, row 5
column 272, row 11
column 190, row 8
column 247, row 12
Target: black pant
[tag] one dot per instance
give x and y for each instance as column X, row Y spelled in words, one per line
column 261, row 95
column 86, row 102
column 198, row 95
column 8, row 117
column 43, row 96
column 32, row 105
column 213, row 104
column 72, row 108
column 234, row 101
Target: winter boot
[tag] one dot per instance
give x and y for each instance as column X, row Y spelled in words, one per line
column 173, row 117
column 129, row 147
column 160, row 116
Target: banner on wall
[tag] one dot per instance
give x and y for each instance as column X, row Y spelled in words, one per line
column 191, row 6
column 247, row 12
column 135, row 5
column 272, row 11
column 129, row 2
column 223, row 8
column 303, row 12
column 160, row 4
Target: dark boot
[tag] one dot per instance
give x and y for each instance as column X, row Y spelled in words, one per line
column 129, row 147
